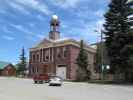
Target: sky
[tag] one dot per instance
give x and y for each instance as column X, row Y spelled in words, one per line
column 26, row 22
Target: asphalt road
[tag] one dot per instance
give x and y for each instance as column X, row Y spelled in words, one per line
column 25, row 89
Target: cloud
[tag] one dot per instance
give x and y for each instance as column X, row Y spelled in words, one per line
column 25, row 6
column 36, row 5
column 99, row 24
column 29, row 35
column 10, row 38
column 18, row 7
column 40, row 17
column 84, row 30
column 31, row 38
column 64, row 24
column 5, row 29
column 66, row 3
column 19, row 27
column 99, row 13
column 31, row 24
column 87, row 13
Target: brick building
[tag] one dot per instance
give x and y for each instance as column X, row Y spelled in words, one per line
column 7, row 69
column 58, row 56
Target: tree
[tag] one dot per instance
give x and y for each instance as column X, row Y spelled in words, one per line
column 118, row 35
column 22, row 64
column 82, row 62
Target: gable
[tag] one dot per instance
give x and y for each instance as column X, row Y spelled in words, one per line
column 44, row 43
column 9, row 66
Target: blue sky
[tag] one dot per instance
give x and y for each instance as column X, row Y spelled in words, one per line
column 26, row 22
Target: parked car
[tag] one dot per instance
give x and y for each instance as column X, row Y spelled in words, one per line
column 55, row 81
column 41, row 78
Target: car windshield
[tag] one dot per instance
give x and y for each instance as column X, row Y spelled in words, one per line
column 55, row 77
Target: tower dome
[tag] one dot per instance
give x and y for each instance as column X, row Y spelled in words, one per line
column 55, row 17
column 54, row 23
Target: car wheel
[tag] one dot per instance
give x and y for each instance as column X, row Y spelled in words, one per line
column 59, row 84
column 46, row 81
column 35, row 82
column 50, row 84
column 41, row 82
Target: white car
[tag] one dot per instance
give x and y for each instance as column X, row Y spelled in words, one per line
column 55, row 81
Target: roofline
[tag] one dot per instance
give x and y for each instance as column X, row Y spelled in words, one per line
column 67, row 42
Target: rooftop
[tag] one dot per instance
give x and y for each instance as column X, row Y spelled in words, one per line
column 3, row 64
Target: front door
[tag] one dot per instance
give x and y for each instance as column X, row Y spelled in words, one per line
column 61, row 72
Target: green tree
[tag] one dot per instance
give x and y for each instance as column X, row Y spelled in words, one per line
column 118, row 35
column 22, row 64
column 82, row 62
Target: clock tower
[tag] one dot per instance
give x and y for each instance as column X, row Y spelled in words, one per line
column 54, row 33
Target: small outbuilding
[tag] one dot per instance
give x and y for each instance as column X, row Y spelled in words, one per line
column 7, row 69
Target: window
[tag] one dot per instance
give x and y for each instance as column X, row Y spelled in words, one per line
column 37, row 57
column 44, row 55
column 47, row 55
column 64, row 52
column 33, row 70
column 59, row 52
column 34, row 58
column 31, row 57
column 36, row 69
column 40, row 55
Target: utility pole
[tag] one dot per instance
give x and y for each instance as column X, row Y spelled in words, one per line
column 101, row 32
column 101, row 49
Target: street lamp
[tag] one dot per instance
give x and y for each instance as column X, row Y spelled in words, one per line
column 107, row 67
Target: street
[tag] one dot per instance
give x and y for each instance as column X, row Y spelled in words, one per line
column 24, row 89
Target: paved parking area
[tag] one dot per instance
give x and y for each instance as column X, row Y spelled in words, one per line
column 25, row 89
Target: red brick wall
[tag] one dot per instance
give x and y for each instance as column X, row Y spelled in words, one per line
column 74, row 51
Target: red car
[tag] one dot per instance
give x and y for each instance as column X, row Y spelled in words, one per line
column 41, row 78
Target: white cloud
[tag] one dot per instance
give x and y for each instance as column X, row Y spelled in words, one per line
column 30, row 35
column 86, row 13
column 10, row 38
column 99, row 13
column 85, row 30
column 31, row 38
column 99, row 24
column 64, row 24
column 21, row 28
column 31, row 24
column 66, row 3
column 40, row 17
column 18, row 7
column 36, row 5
